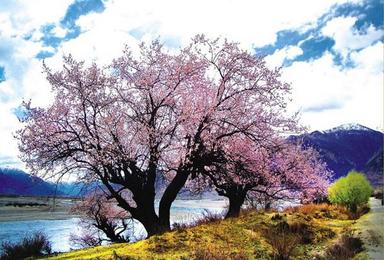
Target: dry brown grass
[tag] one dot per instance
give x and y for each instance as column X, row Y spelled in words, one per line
column 322, row 210
column 283, row 240
column 206, row 218
column 213, row 253
column 346, row 247
column 253, row 235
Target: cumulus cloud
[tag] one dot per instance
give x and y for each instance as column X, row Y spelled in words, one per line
column 347, row 37
column 20, row 42
column 25, row 17
column 279, row 56
column 351, row 94
column 249, row 22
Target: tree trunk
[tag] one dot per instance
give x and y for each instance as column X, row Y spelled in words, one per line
column 267, row 205
column 235, row 204
column 153, row 226
column 146, row 214
column 110, row 232
column 236, row 200
column 169, row 196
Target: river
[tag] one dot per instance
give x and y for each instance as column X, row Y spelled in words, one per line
column 59, row 230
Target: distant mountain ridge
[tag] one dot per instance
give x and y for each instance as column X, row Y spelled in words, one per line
column 374, row 168
column 348, row 147
column 15, row 182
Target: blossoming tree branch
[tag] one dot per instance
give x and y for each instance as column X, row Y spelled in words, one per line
column 209, row 115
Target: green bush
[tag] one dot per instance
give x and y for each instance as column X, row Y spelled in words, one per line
column 351, row 191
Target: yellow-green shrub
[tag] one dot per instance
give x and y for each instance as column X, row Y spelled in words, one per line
column 351, row 191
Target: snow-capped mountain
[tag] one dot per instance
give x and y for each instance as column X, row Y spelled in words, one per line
column 348, row 147
column 348, row 127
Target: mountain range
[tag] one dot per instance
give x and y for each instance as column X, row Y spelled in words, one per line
column 343, row 148
column 348, row 147
column 17, row 182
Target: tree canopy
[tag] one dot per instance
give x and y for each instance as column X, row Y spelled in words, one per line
column 156, row 112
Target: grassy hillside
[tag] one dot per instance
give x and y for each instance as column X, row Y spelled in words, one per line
column 306, row 232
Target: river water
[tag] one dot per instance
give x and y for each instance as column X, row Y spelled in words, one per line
column 58, row 231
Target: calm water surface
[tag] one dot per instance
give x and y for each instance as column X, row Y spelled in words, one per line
column 58, row 231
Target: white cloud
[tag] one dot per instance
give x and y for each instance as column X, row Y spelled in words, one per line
column 9, row 124
column 369, row 59
column 347, row 38
column 20, row 19
column 102, row 43
column 350, row 94
column 28, row 16
column 60, row 31
column 278, row 57
column 248, row 22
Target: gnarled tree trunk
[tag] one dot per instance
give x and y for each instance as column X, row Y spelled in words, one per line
column 235, row 204
column 236, row 195
column 169, row 196
column 236, row 200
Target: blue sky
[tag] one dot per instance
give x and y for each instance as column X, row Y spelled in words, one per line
column 331, row 51
column 314, row 43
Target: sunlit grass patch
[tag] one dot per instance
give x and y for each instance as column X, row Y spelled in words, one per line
column 250, row 236
column 322, row 210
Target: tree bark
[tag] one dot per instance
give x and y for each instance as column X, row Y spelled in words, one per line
column 236, row 195
column 153, row 226
column 169, row 196
column 146, row 214
column 236, row 200
column 267, row 206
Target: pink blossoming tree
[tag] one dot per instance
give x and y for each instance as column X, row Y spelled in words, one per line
column 271, row 171
column 154, row 112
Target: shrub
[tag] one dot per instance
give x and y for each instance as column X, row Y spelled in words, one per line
column 322, row 210
column 34, row 245
column 277, row 217
column 206, row 218
column 347, row 247
column 282, row 240
column 85, row 239
column 303, row 230
column 351, row 191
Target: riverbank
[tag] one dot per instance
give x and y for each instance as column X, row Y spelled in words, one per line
column 35, row 208
column 57, row 223
column 254, row 235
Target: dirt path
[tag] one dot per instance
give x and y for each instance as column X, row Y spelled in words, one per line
column 371, row 229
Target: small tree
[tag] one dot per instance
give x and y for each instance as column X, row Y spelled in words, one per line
column 351, row 191
column 101, row 220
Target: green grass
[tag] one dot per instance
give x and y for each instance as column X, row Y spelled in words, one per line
column 239, row 238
